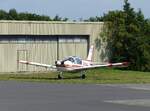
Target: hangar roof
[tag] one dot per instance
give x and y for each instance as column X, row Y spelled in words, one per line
column 49, row 22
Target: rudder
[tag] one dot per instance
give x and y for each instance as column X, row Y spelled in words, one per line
column 90, row 54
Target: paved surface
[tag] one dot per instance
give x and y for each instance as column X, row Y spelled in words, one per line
column 18, row 96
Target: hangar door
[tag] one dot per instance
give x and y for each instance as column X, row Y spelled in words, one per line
column 41, row 49
column 73, row 46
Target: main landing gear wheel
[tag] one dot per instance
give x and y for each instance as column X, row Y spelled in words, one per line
column 83, row 76
column 59, row 77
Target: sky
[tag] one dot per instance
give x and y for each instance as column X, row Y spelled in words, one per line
column 73, row 9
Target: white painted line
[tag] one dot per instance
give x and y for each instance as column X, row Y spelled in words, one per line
column 136, row 102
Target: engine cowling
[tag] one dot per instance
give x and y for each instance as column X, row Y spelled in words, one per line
column 57, row 63
column 68, row 63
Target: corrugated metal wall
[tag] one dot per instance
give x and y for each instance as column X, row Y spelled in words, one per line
column 73, row 46
column 71, row 49
column 38, row 51
column 46, row 51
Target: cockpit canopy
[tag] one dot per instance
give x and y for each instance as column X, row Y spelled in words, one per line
column 74, row 60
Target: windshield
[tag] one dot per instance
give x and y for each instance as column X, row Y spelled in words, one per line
column 78, row 60
column 71, row 59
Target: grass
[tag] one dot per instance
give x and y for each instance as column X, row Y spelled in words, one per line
column 95, row 76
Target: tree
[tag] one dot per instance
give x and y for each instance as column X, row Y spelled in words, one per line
column 13, row 15
column 94, row 19
column 128, row 37
column 116, row 35
column 3, row 15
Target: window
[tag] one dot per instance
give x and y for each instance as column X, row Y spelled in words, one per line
column 78, row 60
column 71, row 59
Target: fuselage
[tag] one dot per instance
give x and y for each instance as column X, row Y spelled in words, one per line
column 70, row 63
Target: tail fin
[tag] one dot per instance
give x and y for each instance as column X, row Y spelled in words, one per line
column 90, row 54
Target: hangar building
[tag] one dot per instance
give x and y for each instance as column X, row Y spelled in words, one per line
column 46, row 42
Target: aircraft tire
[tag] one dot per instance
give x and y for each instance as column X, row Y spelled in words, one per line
column 59, row 77
column 83, row 76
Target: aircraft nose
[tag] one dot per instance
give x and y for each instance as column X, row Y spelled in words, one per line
column 68, row 63
column 58, row 62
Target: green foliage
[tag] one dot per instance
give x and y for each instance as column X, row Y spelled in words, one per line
column 14, row 15
column 3, row 15
column 129, row 37
column 94, row 19
column 57, row 18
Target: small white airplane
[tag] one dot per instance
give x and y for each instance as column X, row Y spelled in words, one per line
column 74, row 64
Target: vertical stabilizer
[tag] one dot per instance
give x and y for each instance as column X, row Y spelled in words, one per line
column 90, row 54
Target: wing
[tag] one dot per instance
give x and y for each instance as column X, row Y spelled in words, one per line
column 37, row 64
column 121, row 64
